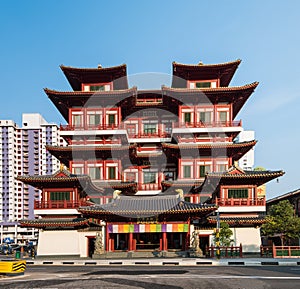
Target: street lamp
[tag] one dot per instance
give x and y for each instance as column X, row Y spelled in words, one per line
column 218, row 253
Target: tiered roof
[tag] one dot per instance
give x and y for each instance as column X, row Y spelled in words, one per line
column 55, row 223
column 143, row 206
column 222, row 71
column 61, row 179
column 78, row 76
column 63, row 100
column 238, row 220
column 237, row 95
column 234, row 150
column 68, row 153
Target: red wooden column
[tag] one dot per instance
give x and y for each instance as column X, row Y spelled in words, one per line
column 107, row 243
column 164, row 241
column 130, row 242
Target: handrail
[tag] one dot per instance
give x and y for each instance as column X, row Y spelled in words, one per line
column 69, row 127
column 225, row 251
column 240, row 202
column 58, row 204
column 201, row 124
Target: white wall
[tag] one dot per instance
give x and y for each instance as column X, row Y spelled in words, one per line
column 248, row 237
column 58, row 243
column 53, row 243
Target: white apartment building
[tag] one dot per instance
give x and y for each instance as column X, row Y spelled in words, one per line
column 23, row 152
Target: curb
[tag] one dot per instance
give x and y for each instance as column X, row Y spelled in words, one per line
column 164, row 262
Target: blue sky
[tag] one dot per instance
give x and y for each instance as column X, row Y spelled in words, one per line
column 38, row 36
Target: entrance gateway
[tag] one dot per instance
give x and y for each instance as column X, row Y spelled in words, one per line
column 148, row 237
column 126, row 232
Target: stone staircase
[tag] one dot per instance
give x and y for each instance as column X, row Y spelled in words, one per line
column 142, row 254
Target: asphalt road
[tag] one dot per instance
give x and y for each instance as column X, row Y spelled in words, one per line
column 155, row 277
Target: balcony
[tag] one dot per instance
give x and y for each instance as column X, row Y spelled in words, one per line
column 58, row 204
column 155, row 134
column 91, row 127
column 207, row 124
column 240, row 202
column 149, row 101
column 149, row 187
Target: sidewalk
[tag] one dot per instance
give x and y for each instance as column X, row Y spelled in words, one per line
column 168, row 261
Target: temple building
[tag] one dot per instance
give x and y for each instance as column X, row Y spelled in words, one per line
column 148, row 170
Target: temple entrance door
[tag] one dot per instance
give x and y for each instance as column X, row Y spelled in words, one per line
column 204, row 243
column 147, row 241
column 121, row 241
column 176, row 241
column 91, row 246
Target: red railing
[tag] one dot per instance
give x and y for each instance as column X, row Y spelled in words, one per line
column 58, row 204
column 149, row 187
column 97, row 142
column 226, row 252
column 280, row 251
column 69, row 127
column 241, row 202
column 203, row 140
column 207, row 124
column 143, row 101
column 158, row 134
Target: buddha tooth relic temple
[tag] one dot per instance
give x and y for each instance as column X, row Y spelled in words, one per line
column 148, row 170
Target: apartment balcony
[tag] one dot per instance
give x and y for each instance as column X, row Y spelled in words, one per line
column 58, row 204
column 221, row 202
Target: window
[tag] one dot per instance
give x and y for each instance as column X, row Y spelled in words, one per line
column 205, row 116
column 77, row 171
column 149, row 178
column 203, row 169
column 130, row 177
column 187, row 117
column 203, row 84
column 111, row 119
column 223, row 116
column 76, row 119
column 112, row 173
column 94, row 173
column 222, row 167
column 94, row 119
column 238, row 193
column 149, row 128
column 60, row 196
column 97, row 87
column 186, row 171
column 169, row 176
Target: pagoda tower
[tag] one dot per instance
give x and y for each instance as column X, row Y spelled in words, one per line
column 148, row 169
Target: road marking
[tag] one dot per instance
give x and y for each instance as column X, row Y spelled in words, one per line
column 217, row 277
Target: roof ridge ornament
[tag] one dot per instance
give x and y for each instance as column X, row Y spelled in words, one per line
column 116, row 194
column 180, row 194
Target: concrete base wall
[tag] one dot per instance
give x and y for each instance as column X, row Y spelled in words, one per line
column 64, row 243
column 248, row 237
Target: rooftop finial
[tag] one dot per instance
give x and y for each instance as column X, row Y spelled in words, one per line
column 99, row 66
column 200, row 62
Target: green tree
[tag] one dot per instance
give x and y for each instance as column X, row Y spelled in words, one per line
column 224, row 235
column 281, row 220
